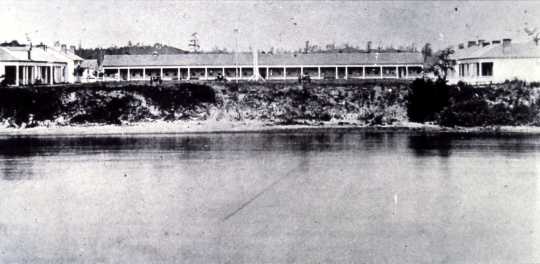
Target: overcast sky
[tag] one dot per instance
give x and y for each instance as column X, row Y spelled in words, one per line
column 263, row 24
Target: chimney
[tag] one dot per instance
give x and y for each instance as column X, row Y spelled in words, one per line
column 480, row 43
column 471, row 43
column 506, row 42
column 496, row 42
column 30, row 52
column 485, row 43
column 461, row 46
column 63, row 47
column 72, row 49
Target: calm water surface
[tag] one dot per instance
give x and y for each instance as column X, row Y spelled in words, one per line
column 304, row 197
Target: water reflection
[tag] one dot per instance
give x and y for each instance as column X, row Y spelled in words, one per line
column 337, row 196
column 428, row 145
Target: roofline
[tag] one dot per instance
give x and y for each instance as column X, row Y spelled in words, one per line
column 492, row 57
column 33, row 61
column 269, row 65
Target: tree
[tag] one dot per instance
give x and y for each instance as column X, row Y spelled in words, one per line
column 534, row 34
column 78, row 72
column 427, row 52
column 194, row 42
column 443, row 64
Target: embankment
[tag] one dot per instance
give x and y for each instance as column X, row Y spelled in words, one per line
column 254, row 106
column 273, row 103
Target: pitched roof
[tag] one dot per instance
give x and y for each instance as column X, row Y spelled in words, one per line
column 199, row 59
column 6, row 56
column 90, row 64
column 245, row 58
column 21, row 54
column 66, row 54
column 514, row 50
column 356, row 58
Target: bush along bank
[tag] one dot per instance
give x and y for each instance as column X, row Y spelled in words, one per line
column 278, row 103
column 101, row 104
column 513, row 103
column 364, row 103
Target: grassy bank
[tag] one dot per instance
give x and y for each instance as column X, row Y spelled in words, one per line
column 223, row 106
column 276, row 103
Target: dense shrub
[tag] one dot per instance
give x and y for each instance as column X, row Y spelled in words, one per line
column 426, row 99
column 100, row 102
column 511, row 103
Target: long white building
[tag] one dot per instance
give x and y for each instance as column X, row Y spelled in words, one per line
column 27, row 65
column 242, row 66
column 495, row 62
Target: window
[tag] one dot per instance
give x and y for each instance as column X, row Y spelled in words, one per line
column 487, row 68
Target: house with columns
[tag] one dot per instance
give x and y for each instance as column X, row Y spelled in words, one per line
column 27, row 65
column 481, row 62
column 246, row 66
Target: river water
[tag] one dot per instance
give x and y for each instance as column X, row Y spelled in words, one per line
column 340, row 196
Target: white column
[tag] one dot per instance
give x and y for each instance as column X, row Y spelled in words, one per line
column 267, row 72
column 129, row 74
column 397, row 72
column 381, row 73
column 346, row 72
column 161, row 73
column 178, row 74
column 301, row 71
column 23, row 75
column 319, row 72
column 118, row 76
column 17, row 75
column 51, row 75
column 205, row 73
column 188, row 73
column 337, row 73
column 479, row 70
column 364, row 72
column 144, row 73
column 240, row 73
column 284, row 73
column 406, row 72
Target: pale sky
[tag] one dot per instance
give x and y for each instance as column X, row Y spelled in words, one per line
column 265, row 24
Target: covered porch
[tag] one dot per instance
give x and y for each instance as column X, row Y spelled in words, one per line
column 268, row 72
column 30, row 73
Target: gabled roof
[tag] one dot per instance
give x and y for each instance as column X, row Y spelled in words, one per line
column 513, row 50
column 245, row 58
column 66, row 54
column 6, row 56
column 356, row 58
column 21, row 54
column 89, row 64
column 199, row 59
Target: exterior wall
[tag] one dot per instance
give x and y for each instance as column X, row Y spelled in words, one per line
column 523, row 69
column 2, row 70
column 527, row 69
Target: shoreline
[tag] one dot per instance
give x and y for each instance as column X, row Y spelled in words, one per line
column 207, row 127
